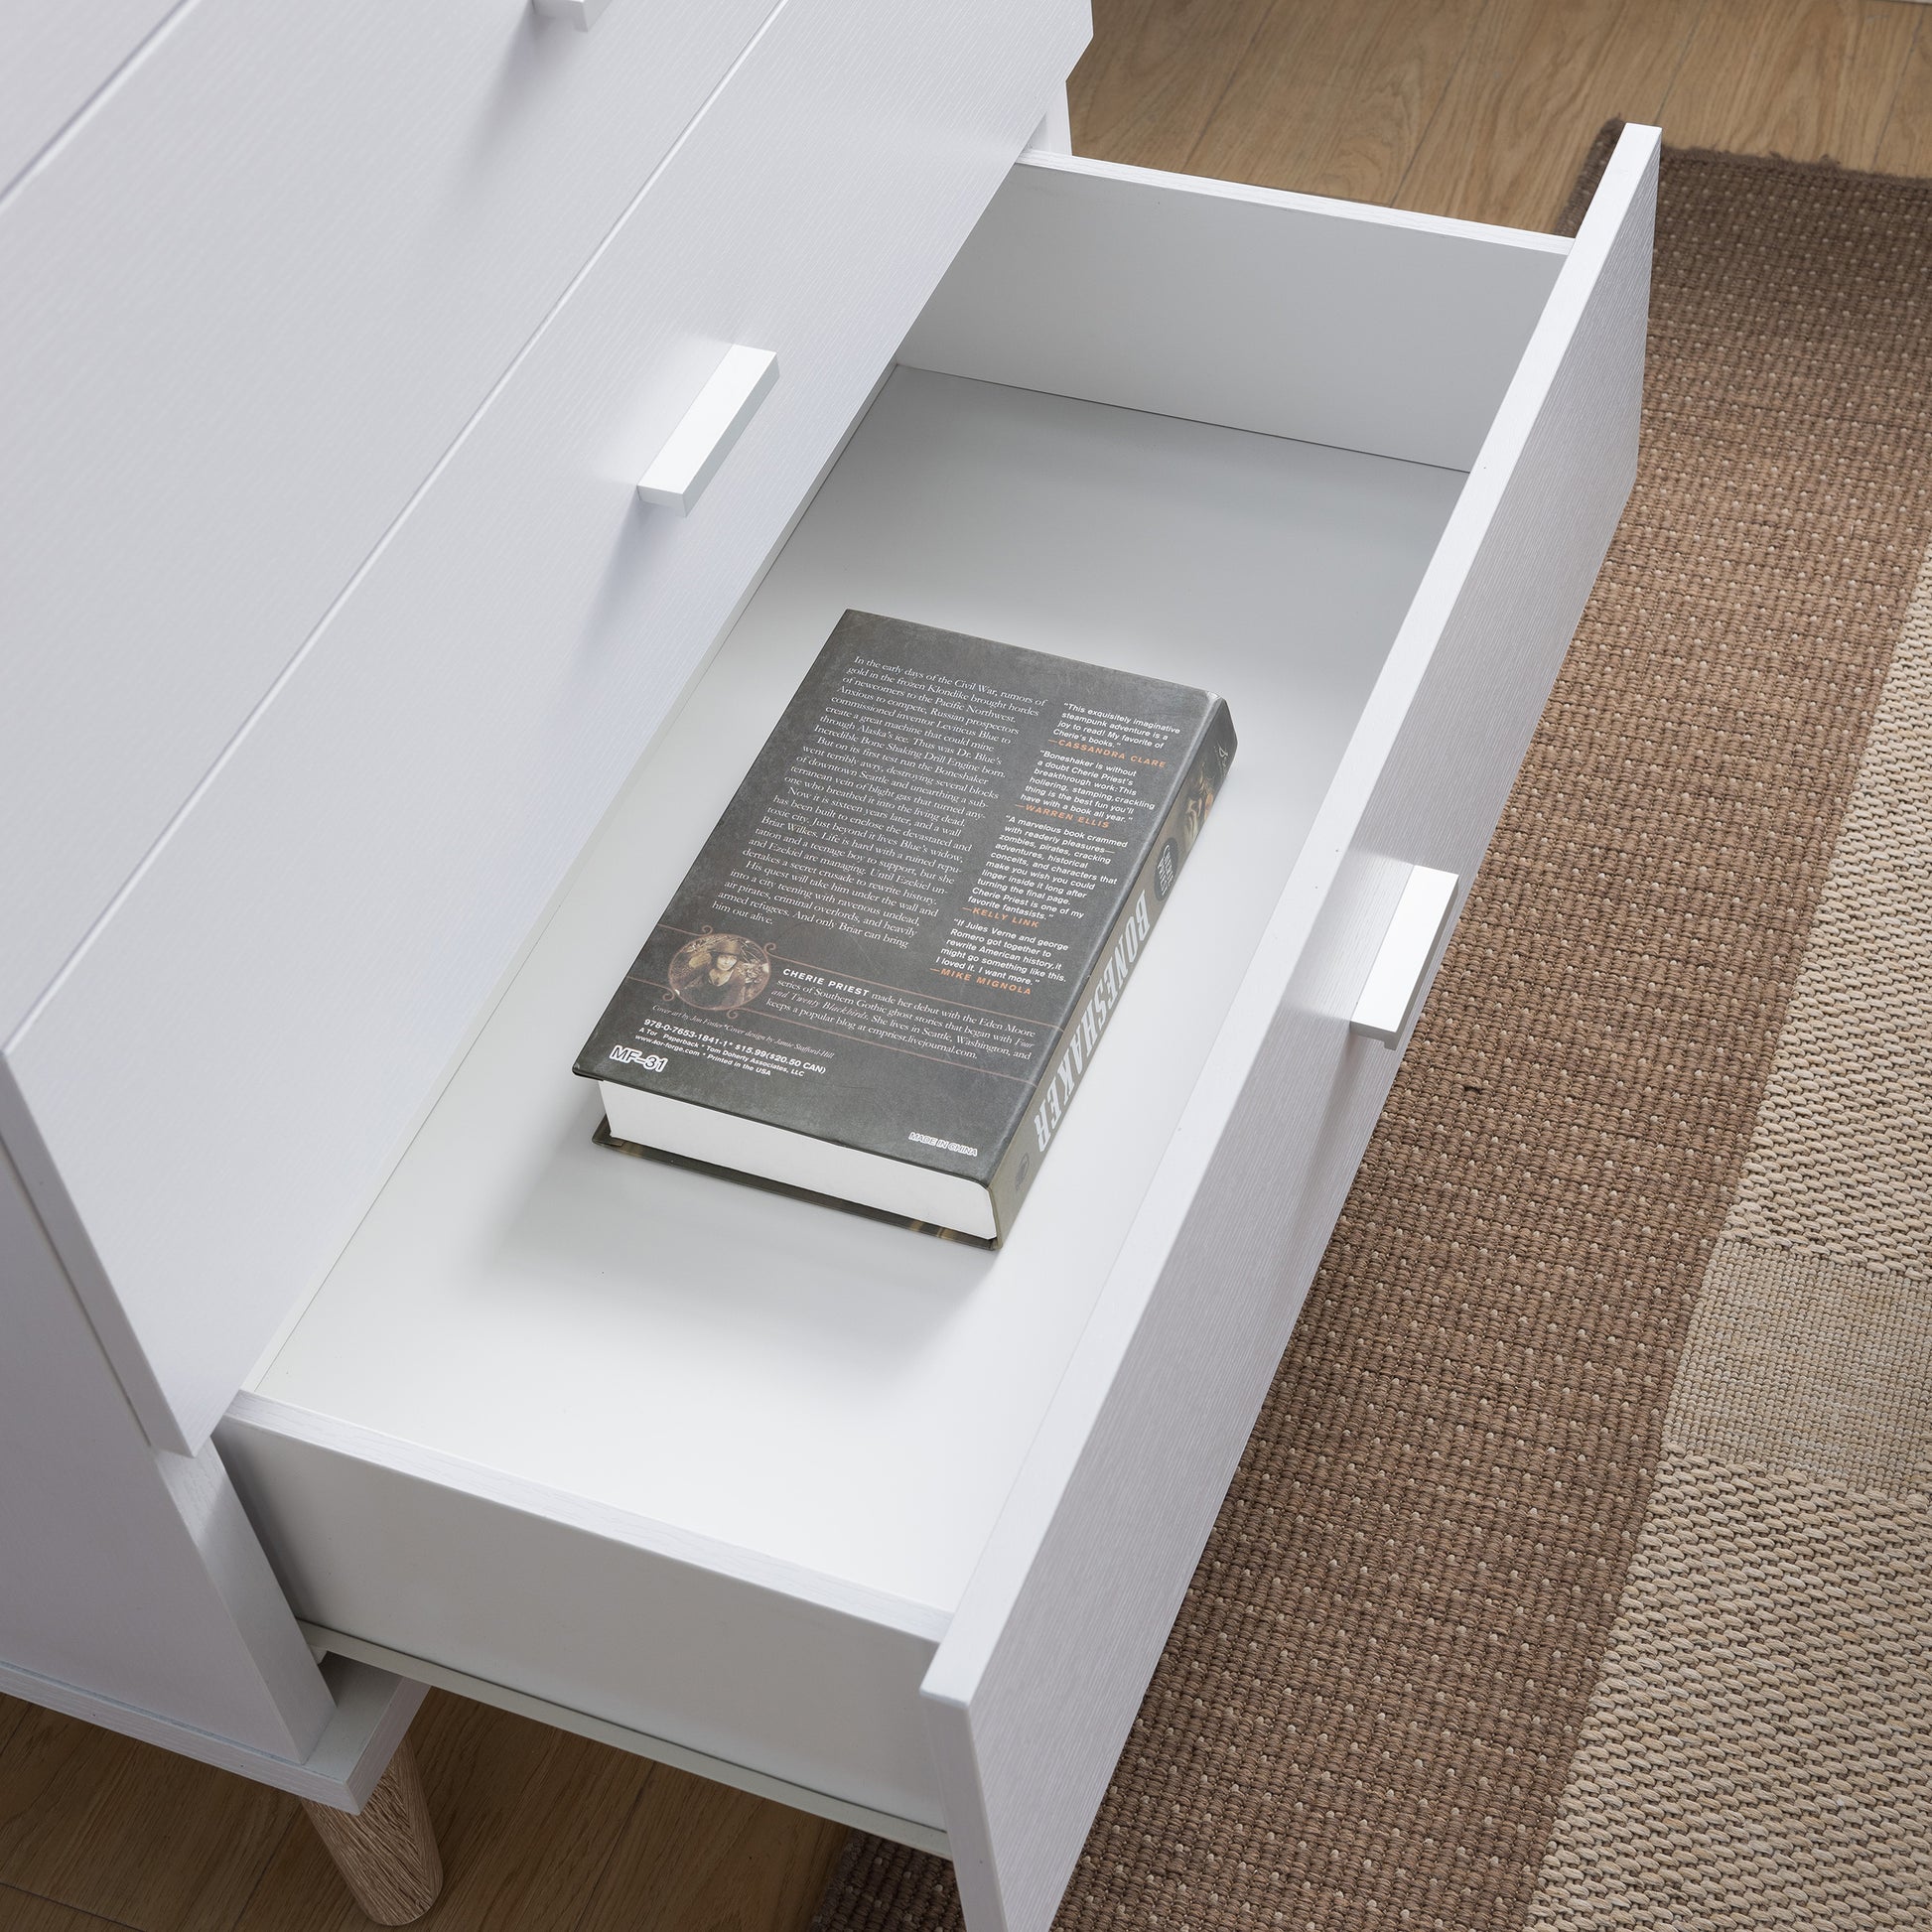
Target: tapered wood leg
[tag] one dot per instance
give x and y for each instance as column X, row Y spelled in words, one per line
column 387, row 1852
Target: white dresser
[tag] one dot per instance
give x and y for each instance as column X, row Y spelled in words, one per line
column 361, row 715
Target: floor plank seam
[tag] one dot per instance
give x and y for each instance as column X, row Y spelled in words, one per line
column 1227, row 87
column 1898, row 84
column 61, row 1905
column 1398, row 194
column 594, row 1891
column 261, row 1875
column 1683, row 55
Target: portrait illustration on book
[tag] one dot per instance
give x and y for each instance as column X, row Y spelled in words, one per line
column 718, row 971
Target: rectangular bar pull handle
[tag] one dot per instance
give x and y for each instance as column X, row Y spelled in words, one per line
column 681, row 469
column 1389, row 997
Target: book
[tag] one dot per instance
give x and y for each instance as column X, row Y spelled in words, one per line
column 884, row 975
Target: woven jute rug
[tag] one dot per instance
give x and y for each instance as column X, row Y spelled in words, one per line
column 1579, row 1572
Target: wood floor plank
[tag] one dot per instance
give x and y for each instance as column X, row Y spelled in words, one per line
column 526, row 1818
column 122, row 1830
column 698, row 1855
column 1336, row 100
column 1149, row 81
column 22, row 1911
column 11, row 1710
column 1531, row 90
column 1905, row 148
column 1809, row 80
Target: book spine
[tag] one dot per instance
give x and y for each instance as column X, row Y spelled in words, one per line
column 1107, row 980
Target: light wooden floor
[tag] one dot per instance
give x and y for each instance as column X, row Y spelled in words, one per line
column 540, row 1832
column 1481, row 108
column 1484, row 108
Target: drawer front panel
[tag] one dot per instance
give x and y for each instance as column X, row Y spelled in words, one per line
column 217, row 1084
column 558, row 1599
column 1035, row 1689
column 244, row 310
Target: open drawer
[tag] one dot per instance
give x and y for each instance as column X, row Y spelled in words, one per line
column 891, row 1527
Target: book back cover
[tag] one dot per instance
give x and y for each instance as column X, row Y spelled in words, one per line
column 884, row 938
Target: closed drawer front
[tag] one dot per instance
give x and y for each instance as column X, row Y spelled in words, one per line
column 1371, row 527
column 313, row 938
column 244, row 310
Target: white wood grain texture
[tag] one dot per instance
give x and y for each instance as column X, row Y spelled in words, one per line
column 371, row 1713
column 658, row 1632
column 1334, row 322
column 246, row 303
column 348, row 892
column 54, row 60
column 1035, row 1689
column 128, row 1575
column 581, row 1723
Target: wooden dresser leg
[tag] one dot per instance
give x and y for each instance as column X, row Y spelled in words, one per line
column 387, row 1852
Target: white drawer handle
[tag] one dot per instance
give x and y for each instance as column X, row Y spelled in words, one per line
column 1407, row 947
column 582, row 14
column 699, row 443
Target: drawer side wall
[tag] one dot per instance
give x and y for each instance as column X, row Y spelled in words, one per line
column 1332, row 322
column 1058, row 1637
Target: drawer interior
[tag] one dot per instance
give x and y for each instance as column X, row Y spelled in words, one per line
column 1193, row 432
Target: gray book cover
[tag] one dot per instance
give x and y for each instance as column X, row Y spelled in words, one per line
column 908, row 929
